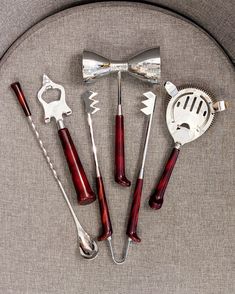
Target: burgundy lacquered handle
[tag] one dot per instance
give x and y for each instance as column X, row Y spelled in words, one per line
column 21, row 98
column 85, row 195
column 120, row 177
column 134, row 214
column 104, row 211
column 156, row 199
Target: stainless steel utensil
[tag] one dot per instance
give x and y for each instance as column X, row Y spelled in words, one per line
column 189, row 114
column 88, row 247
column 146, row 67
column 134, row 213
column 90, row 102
column 56, row 109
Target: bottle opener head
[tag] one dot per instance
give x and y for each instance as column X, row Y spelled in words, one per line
column 54, row 109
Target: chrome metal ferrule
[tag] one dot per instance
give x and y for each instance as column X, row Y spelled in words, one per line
column 141, row 173
column 60, row 124
column 178, row 145
column 119, row 109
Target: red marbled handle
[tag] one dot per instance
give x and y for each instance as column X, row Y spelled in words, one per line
column 85, row 195
column 21, row 98
column 104, row 211
column 156, row 199
column 133, row 219
column 120, row 177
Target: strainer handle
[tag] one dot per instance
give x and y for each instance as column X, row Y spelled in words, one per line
column 156, row 199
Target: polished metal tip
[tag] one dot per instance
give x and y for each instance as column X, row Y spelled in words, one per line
column 90, row 102
column 46, row 79
column 149, row 103
column 171, row 89
column 90, row 253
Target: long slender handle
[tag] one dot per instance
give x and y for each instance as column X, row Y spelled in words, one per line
column 120, row 177
column 21, row 98
column 85, row 195
column 156, row 199
column 134, row 214
column 104, row 211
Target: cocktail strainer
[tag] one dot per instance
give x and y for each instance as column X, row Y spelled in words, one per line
column 189, row 114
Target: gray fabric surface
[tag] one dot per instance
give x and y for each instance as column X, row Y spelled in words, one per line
column 187, row 246
column 17, row 16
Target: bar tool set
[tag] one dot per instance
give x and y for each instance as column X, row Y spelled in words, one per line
column 88, row 247
column 144, row 66
column 189, row 114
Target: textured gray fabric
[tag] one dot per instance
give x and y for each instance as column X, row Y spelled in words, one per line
column 187, row 246
column 215, row 16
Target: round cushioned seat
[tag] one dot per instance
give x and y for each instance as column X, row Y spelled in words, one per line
column 186, row 246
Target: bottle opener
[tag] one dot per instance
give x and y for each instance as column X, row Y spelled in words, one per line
column 56, row 109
